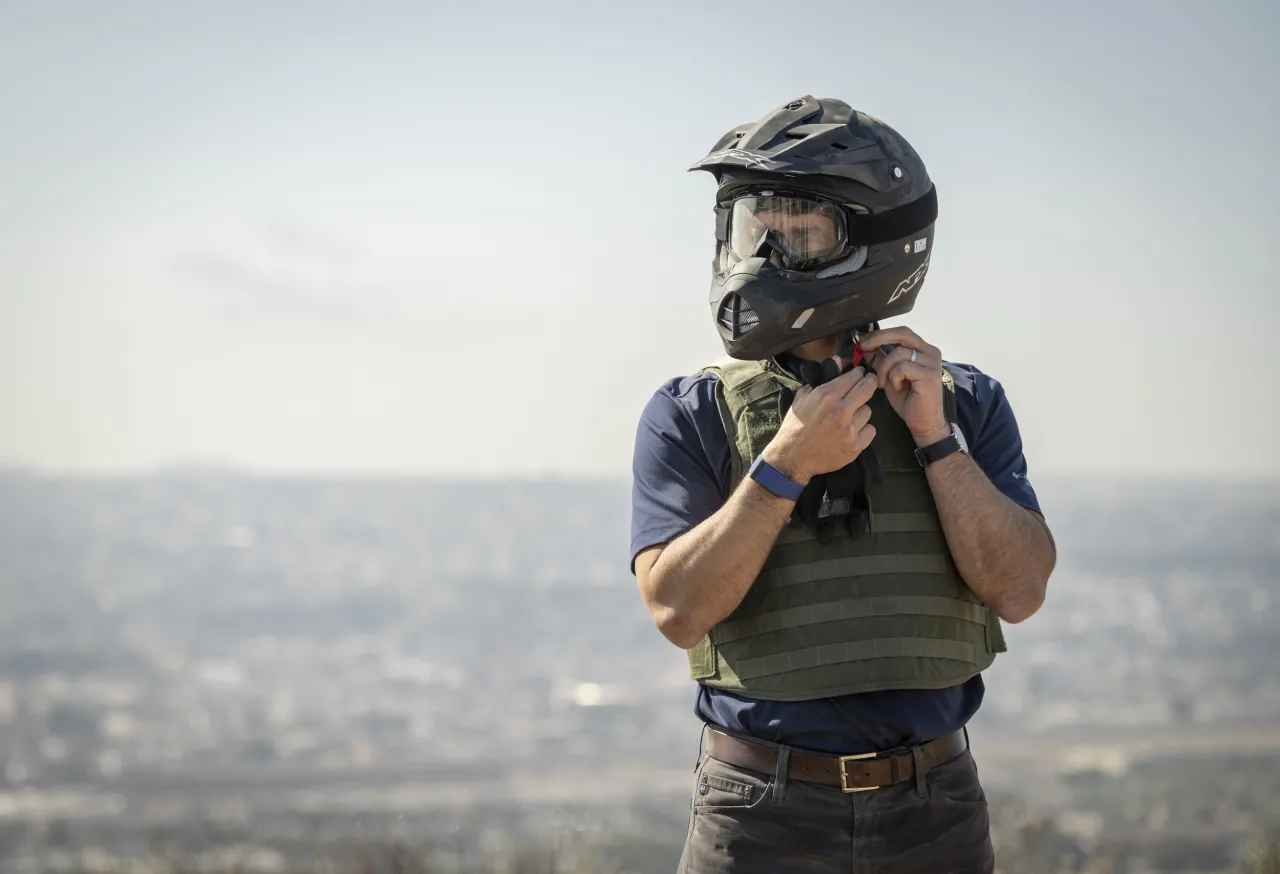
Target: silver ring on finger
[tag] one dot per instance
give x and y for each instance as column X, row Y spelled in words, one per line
column 913, row 356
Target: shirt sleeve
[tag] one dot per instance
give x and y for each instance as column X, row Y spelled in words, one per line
column 996, row 443
column 678, row 465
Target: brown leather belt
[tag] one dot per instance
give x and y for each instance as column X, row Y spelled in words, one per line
column 850, row 773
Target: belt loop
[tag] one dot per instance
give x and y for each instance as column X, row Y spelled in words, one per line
column 917, row 755
column 893, row 769
column 780, row 778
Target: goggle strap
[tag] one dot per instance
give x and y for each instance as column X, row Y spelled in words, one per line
column 722, row 224
column 894, row 224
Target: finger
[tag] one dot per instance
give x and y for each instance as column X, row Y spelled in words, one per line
column 891, row 337
column 898, row 337
column 885, row 366
column 861, row 392
column 803, row 402
column 877, row 355
column 905, row 372
column 861, row 417
column 882, row 358
column 903, row 355
column 865, row 388
column 844, row 383
column 865, row 435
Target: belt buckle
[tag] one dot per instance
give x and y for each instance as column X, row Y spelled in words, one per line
column 844, row 773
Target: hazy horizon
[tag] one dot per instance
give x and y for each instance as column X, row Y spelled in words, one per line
column 1051, row 482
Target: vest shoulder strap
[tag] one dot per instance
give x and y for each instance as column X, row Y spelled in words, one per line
column 746, row 382
column 731, row 374
column 746, row 398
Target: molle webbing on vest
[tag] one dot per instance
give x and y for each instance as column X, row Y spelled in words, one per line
column 886, row 610
column 886, row 605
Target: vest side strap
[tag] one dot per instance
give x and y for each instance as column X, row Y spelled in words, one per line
column 702, row 660
column 995, row 634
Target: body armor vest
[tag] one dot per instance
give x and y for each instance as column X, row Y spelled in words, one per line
column 883, row 610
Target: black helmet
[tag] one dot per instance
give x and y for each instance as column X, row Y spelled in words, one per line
column 824, row 223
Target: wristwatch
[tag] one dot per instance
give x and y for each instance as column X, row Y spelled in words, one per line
column 774, row 480
column 952, row 443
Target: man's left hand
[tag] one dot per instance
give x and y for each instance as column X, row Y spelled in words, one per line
column 911, row 376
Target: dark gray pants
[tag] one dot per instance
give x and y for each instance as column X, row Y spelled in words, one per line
column 747, row 822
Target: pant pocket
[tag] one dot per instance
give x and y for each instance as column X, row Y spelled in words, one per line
column 721, row 786
column 957, row 782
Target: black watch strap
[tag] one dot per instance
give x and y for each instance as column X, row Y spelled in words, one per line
column 935, row 452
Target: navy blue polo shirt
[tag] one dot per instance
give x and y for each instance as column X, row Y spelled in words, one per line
column 681, row 471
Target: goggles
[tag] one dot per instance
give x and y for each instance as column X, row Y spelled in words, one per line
column 803, row 233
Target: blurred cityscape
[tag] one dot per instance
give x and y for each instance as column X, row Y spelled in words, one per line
column 206, row 664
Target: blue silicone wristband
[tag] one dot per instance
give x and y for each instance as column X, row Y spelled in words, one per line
column 774, row 480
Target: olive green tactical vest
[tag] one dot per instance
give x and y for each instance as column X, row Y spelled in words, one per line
column 887, row 610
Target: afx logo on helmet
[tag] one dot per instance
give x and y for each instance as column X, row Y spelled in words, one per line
column 823, row 220
column 910, row 283
column 747, row 158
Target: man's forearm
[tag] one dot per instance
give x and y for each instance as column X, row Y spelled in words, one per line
column 1003, row 551
column 702, row 576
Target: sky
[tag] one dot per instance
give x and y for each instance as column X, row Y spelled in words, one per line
column 460, row 239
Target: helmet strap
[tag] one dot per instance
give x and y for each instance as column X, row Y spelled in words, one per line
column 839, row 494
column 847, row 349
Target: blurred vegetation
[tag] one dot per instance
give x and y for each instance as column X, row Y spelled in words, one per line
column 1266, row 858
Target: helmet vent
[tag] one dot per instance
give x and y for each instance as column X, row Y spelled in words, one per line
column 737, row 317
column 841, row 146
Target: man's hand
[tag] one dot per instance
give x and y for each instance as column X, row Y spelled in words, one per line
column 911, row 376
column 1004, row 552
column 826, row 428
column 702, row 576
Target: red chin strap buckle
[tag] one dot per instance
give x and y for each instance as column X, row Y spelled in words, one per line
column 857, row 354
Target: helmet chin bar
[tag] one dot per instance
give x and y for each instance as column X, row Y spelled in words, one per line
column 762, row 310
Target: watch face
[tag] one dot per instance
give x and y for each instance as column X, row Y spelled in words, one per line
column 959, row 435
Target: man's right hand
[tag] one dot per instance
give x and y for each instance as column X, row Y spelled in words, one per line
column 701, row 577
column 826, row 427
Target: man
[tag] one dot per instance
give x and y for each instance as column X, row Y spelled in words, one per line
column 832, row 521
